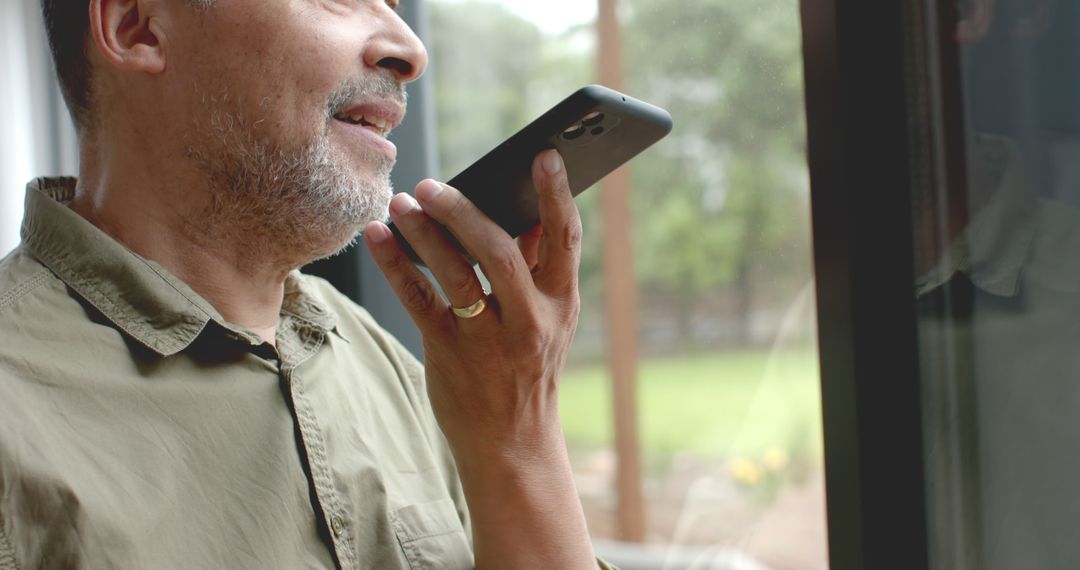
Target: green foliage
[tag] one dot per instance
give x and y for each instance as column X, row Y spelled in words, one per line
column 494, row 72
column 716, row 200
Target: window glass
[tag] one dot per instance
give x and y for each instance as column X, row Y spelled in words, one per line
column 17, row 141
column 728, row 403
column 999, row 290
column 36, row 135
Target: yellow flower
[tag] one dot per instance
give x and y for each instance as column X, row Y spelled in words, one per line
column 745, row 471
column 775, row 459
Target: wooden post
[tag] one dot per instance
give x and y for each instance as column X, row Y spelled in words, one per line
column 621, row 302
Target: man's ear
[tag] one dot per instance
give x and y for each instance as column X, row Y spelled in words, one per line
column 126, row 35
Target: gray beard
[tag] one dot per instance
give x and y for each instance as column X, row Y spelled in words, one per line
column 288, row 205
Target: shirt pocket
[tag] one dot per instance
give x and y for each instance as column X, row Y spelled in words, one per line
column 431, row 536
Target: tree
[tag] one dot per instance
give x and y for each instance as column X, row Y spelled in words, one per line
column 494, row 72
column 732, row 173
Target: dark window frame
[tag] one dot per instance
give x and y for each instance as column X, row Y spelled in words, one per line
column 867, row 122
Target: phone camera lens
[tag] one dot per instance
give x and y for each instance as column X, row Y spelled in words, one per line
column 594, row 118
column 597, row 131
column 573, row 132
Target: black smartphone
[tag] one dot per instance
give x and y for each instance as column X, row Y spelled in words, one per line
column 596, row 130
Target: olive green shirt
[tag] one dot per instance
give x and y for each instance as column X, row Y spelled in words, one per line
column 139, row 429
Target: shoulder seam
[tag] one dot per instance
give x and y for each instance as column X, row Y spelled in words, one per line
column 10, row 297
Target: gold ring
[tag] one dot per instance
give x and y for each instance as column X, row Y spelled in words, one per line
column 473, row 309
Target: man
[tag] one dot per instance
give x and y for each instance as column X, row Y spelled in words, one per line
column 173, row 393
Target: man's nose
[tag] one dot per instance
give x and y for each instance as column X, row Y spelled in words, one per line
column 396, row 48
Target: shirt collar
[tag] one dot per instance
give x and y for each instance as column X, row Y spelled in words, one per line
column 993, row 248
column 136, row 294
column 1018, row 233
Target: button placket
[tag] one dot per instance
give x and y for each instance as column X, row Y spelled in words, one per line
column 318, row 465
column 311, row 433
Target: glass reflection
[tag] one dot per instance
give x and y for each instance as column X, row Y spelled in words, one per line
column 999, row 295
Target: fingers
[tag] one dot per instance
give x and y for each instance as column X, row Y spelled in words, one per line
column 560, row 247
column 529, row 244
column 450, row 268
column 498, row 255
column 412, row 287
column 546, row 257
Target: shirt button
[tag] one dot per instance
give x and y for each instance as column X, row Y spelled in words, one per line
column 337, row 525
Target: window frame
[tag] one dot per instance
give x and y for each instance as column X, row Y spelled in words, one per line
column 866, row 125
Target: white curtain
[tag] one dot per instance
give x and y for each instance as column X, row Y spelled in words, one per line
column 36, row 136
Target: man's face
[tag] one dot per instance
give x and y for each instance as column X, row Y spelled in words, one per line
column 289, row 103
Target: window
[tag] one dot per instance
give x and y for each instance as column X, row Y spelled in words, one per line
column 38, row 138
column 998, row 292
column 726, row 374
column 724, row 361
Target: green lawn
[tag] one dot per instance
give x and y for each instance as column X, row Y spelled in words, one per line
column 726, row 404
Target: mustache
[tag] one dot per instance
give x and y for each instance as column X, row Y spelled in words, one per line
column 372, row 88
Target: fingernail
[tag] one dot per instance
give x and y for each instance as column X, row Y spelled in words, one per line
column 428, row 189
column 377, row 232
column 403, row 204
column 552, row 162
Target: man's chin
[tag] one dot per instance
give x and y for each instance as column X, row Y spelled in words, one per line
column 290, row 205
column 339, row 240
column 333, row 250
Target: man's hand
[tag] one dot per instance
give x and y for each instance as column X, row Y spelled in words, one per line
column 493, row 379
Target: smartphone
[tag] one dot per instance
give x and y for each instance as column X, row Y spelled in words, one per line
column 596, row 130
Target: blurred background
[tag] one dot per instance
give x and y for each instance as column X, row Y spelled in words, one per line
column 727, row 407
column 717, row 460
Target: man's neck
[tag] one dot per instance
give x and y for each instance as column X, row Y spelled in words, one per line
column 151, row 214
